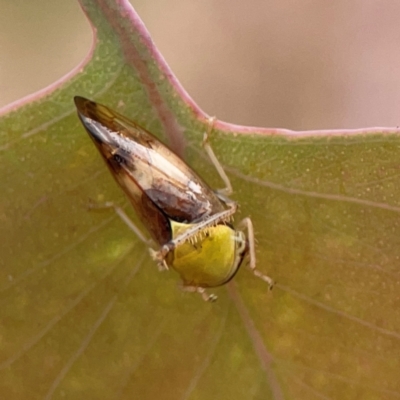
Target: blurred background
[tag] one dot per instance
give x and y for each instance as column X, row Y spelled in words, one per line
column 305, row 64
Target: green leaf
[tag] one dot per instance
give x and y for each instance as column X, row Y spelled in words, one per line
column 84, row 314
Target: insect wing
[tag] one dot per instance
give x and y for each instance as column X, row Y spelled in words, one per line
column 158, row 183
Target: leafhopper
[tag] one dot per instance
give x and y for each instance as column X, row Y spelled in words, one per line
column 189, row 223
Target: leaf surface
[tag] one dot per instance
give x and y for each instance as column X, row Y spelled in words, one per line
column 84, row 312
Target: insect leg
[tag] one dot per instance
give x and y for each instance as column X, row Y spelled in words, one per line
column 227, row 190
column 246, row 223
column 124, row 217
column 162, row 265
column 206, row 297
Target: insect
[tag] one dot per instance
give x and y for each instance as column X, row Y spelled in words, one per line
column 187, row 220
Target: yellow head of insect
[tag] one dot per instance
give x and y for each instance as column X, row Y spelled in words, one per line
column 211, row 257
